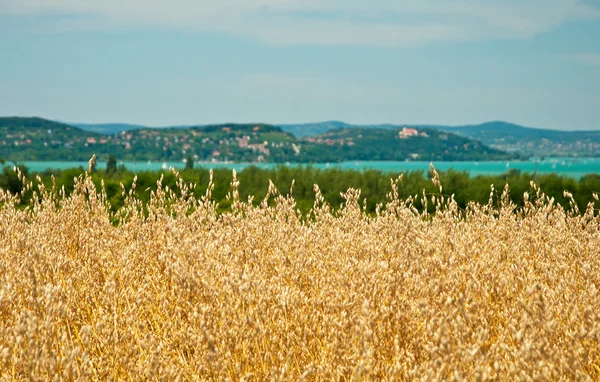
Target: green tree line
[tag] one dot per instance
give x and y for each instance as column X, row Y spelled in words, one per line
column 374, row 184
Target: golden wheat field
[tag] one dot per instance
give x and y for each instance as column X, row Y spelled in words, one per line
column 177, row 291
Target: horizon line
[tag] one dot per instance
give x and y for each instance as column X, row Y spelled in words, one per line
column 348, row 124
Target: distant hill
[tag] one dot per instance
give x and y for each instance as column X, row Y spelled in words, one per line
column 107, row 128
column 500, row 135
column 398, row 144
column 35, row 125
column 115, row 128
column 299, row 130
column 532, row 141
column 39, row 139
column 511, row 132
column 309, row 129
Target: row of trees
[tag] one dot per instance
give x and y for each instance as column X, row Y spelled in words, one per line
column 374, row 184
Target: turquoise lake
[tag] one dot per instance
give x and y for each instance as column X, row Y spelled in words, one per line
column 572, row 167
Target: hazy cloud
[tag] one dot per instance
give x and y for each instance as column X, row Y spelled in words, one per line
column 325, row 22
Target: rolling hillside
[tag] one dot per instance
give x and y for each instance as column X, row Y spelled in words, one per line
column 40, row 139
column 29, row 139
column 107, row 128
column 398, row 144
column 531, row 141
column 502, row 136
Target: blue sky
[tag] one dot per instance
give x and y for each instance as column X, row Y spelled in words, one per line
column 533, row 62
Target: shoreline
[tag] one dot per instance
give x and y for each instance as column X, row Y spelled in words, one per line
column 572, row 167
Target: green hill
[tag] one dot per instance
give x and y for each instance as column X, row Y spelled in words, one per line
column 503, row 136
column 531, row 141
column 398, row 144
column 310, row 129
column 41, row 139
column 37, row 139
column 32, row 139
column 107, row 128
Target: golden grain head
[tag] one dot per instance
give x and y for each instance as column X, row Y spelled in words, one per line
column 178, row 291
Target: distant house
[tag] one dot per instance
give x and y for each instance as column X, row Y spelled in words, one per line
column 91, row 140
column 407, row 132
column 227, row 129
column 261, row 148
column 243, row 141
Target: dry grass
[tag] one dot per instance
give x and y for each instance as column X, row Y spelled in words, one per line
column 262, row 293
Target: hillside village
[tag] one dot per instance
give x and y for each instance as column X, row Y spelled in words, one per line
column 185, row 143
column 39, row 139
column 213, row 144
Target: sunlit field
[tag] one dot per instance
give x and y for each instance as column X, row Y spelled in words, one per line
column 173, row 289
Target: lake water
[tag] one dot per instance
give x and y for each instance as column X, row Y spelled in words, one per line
column 572, row 167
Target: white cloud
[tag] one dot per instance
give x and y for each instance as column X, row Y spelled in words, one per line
column 323, row 22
